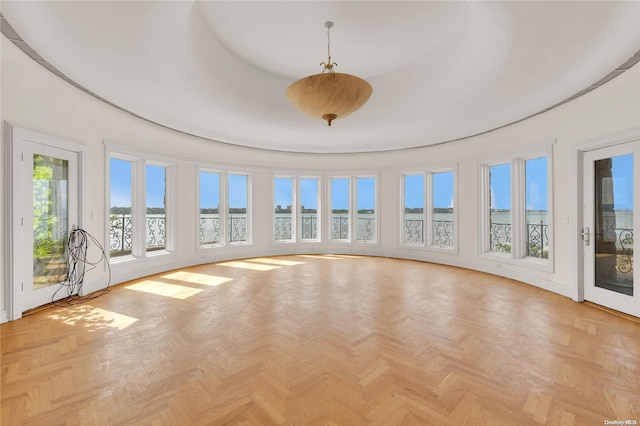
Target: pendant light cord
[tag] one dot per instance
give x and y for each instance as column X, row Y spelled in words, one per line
column 328, row 66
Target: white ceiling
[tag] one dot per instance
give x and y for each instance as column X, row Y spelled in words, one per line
column 439, row 70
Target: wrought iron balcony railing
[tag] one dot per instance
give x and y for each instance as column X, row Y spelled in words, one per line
column 537, row 238
column 537, row 235
column 366, row 230
column 120, row 237
column 442, row 232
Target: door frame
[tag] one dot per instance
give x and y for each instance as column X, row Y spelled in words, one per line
column 13, row 137
column 617, row 138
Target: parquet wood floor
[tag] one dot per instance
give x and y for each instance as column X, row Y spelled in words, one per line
column 332, row 340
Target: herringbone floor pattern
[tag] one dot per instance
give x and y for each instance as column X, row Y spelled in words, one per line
column 332, row 340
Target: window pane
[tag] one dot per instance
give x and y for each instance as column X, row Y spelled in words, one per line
column 209, row 208
column 614, row 224
column 536, row 214
column 156, row 194
column 50, row 219
column 238, row 207
column 366, row 209
column 119, row 207
column 283, row 202
column 413, row 209
column 443, row 234
column 500, row 208
column 309, row 192
column 339, row 208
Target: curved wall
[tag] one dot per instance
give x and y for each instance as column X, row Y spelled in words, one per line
column 33, row 98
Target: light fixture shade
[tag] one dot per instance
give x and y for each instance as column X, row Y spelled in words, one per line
column 329, row 95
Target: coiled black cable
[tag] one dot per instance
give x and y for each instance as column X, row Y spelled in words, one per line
column 77, row 266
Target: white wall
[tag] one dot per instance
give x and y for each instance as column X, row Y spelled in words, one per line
column 36, row 99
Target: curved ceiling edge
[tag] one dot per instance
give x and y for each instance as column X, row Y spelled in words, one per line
column 8, row 31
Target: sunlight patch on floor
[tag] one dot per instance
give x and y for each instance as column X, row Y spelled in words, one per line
column 93, row 318
column 164, row 289
column 249, row 265
column 320, row 256
column 276, row 261
column 196, row 278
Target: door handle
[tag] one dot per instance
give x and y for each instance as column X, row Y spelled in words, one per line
column 586, row 235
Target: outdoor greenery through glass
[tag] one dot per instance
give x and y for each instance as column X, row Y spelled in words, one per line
column 50, row 219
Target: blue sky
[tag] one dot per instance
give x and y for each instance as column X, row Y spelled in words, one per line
column 535, row 182
column 622, row 171
column 414, row 186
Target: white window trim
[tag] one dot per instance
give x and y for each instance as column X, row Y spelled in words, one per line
column 221, row 208
column 319, row 203
column 517, row 161
column 139, row 160
column 402, row 203
column 429, row 193
column 249, row 239
column 427, row 233
column 354, row 208
column 294, row 209
column 329, row 227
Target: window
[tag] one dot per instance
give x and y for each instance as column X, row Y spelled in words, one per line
column 309, row 208
column 365, row 209
column 413, row 211
column 120, row 189
column 516, row 212
column 428, row 209
column 340, row 203
column 139, row 206
column 442, row 210
column 500, row 208
column 536, row 207
column 283, row 224
column 296, row 214
column 210, row 230
column 225, row 208
column 238, row 194
column 156, row 216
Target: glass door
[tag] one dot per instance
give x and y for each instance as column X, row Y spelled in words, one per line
column 49, row 211
column 610, row 219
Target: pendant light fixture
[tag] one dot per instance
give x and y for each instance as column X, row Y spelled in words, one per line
column 329, row 95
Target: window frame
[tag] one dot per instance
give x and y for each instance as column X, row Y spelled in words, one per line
column 222, row 207
column 350, row 203
column 225, row 232
column 294, row 210
column 518, row 254
column 249, row 213
column 354, row 208
column 403, row 206
column 139, row 162
column 429, row 215
column 319, row 204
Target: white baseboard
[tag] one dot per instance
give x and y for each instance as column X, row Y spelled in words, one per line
column 502, row 272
